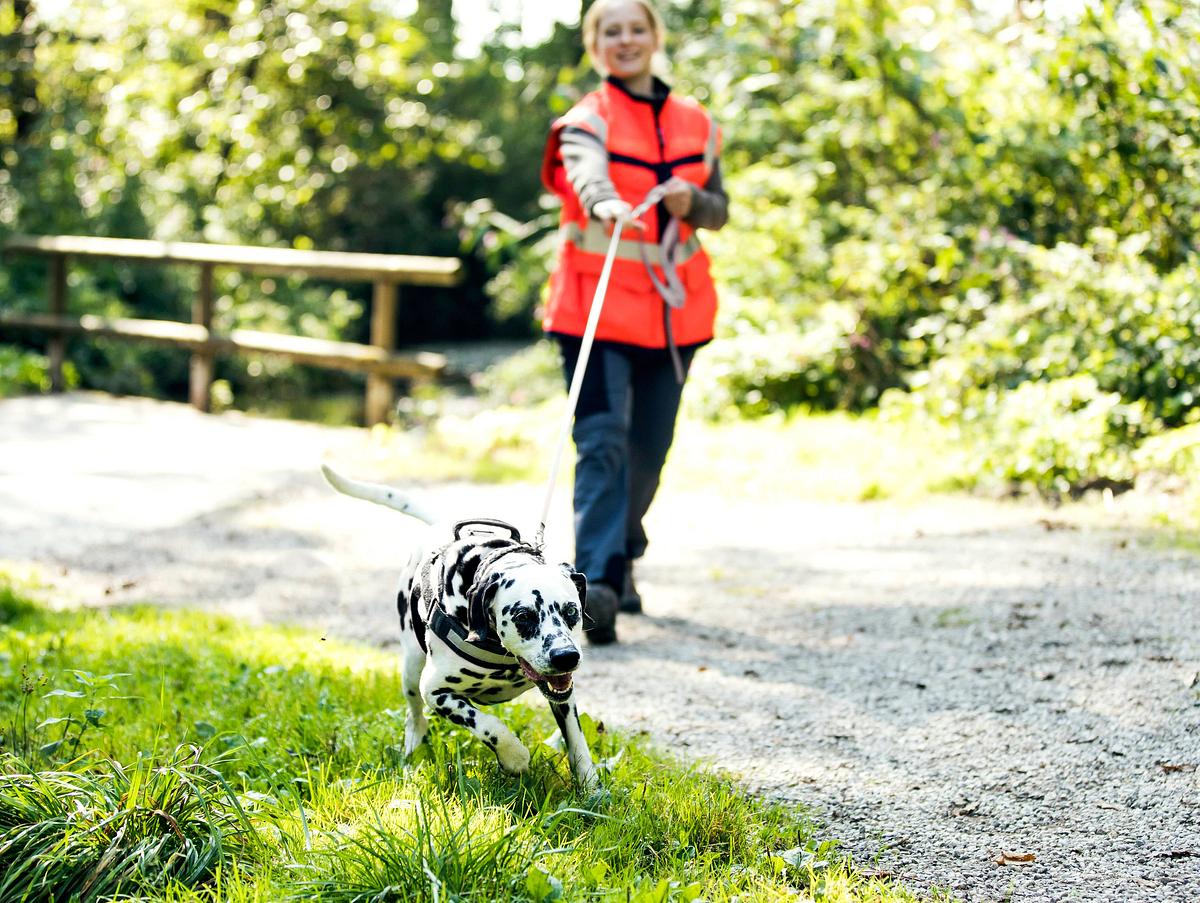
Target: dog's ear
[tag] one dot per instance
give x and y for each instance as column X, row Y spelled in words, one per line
column 477, row 609
column 580, row 582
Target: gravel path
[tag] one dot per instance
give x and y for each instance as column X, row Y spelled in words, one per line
column 940, row 684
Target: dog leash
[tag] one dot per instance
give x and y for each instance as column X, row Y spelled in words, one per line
column 656, row 194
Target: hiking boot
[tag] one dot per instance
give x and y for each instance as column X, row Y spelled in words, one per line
column 600, row 615
column 631, row 599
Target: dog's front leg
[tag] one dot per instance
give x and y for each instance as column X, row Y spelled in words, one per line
column 578, row 754
column 416, row 726
column 491, row 731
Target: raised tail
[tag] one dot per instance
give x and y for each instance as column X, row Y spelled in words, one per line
column 374, row 492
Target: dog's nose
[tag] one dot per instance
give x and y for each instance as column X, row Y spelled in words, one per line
column 564, row 659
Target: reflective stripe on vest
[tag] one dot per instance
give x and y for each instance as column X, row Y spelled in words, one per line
column 594, row 239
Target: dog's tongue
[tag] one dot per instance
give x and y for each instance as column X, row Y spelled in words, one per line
column 558, row 682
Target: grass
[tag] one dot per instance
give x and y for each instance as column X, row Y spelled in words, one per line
column 823, row 457
column 818, row 457
column 181, row 756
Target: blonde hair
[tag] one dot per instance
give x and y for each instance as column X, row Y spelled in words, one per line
column 591, row 29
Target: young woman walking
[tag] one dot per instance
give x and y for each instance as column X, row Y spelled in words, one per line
column 602, row 158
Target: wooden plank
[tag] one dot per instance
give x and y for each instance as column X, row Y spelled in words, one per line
column 380, row 391
column 318, row 352
column 56, row 349
column 203, row 363
column 396, row 268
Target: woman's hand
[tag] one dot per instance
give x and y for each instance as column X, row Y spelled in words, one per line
column 678, row 199
column 608, row 212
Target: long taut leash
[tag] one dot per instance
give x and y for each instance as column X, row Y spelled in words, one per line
column 655, row 195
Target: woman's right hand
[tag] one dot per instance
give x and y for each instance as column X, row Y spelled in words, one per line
column 608, row 212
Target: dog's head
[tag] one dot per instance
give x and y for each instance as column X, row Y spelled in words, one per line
column 537, row 613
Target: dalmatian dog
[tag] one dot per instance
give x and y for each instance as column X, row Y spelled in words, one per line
column 483, row 619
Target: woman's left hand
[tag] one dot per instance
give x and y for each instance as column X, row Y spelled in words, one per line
column 678, row 199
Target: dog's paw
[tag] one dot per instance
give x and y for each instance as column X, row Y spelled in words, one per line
column 513, row 756
column 414, row 736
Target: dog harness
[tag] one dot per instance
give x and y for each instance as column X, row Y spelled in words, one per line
column 468, row 641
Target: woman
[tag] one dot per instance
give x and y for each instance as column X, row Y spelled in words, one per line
column 601, row 159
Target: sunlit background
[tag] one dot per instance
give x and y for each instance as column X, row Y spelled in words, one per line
column 978, row 216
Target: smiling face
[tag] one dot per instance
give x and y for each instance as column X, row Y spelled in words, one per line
column 625, row 44
column 538, row 616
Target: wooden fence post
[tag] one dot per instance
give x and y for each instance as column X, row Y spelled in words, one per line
column 201, row 373
column 380, row 389
column 57, row 346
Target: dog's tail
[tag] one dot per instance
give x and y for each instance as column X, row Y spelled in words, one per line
column 374, row 492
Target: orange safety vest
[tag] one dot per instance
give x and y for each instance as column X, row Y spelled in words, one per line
column 645, row 148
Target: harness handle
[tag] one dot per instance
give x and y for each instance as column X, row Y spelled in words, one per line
column 486, row 522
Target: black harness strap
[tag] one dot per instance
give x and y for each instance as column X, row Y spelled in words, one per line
column 487, row 653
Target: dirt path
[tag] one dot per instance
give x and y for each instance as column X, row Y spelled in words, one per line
column 940, row 684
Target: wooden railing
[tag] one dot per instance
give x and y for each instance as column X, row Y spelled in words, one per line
column 378, row 360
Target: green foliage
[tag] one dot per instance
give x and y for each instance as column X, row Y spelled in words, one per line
column 25, row 371
column 935, row 196
column 1100, row 310
column 1057, row 436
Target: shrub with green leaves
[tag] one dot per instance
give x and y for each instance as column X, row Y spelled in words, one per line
column 1056, row 437
column 23, row 371
column 1100, row 310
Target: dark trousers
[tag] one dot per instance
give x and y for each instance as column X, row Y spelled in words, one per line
column 623, row 429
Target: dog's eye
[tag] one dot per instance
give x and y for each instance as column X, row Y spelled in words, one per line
column 570, row 612
column 524, row 617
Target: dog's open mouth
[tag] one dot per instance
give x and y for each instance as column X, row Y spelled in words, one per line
column 552, row 685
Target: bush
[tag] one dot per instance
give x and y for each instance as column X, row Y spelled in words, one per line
column 22, row 372
column 1100, row 310
column 1057, row 437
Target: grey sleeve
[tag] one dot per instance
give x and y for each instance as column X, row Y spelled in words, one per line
column 710, row 204
column 586, row 163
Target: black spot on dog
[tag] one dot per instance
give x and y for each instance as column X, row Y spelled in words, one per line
column 451, row 679
column 528, row 623
column 510, row 583
column 467, row 672
column 454, row 717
